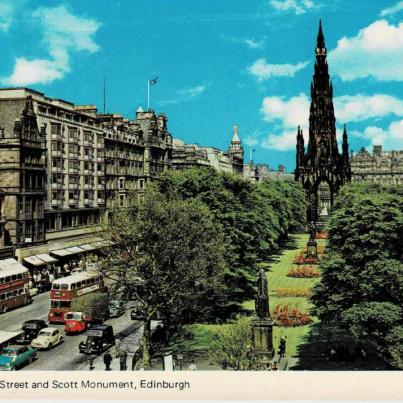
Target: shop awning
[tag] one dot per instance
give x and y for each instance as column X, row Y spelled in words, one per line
column 75, row 249
column 34, row 260
column 61, row 252
column 46, row 258
column 88, row 247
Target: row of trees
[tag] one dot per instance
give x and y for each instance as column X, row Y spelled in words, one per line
column 189, row 251
column 362, row 275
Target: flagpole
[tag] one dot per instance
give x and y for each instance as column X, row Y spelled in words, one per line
column 148, row 95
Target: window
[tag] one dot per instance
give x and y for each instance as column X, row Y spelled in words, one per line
column 141, row 183
column 121, row 200
column 121, row 183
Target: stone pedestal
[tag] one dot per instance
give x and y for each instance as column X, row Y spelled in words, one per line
column 312, row 249
column 263, row 339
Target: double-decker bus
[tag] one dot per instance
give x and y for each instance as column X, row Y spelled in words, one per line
column 14, row 288
column 67, row 292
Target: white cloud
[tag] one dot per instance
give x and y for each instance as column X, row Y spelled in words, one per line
column 185, row 95
column 296, row 6
column 8, row 10
column 361, row 107
column 375, row 52
column 250, row 141
column 287, row 114
column 63, row 34
column 392, row 10
column 252, row 43
column 262, row 70
column 391, row 138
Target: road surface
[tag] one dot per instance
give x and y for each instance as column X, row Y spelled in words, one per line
column 64, row 356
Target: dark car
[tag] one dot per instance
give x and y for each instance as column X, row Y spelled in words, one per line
column 31, row 329
column 99, row 339
column 137, row 314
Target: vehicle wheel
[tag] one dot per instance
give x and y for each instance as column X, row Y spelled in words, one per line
column 4, row 309
column 50, row 346
column 31, row 359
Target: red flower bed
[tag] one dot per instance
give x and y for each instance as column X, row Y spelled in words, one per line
column 287, row 316
column 321, row 235
column 303, row 259
column 304, row 272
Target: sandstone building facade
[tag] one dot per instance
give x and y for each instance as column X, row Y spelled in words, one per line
column 62, row 165
column 380, row 166
column 192, row 155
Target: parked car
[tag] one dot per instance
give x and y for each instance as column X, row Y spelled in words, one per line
column 116, row 308
column 99, row 339
column 31, row 329
column 75, row 322
column 137, row 314
column 14, row 357
column 47, row 338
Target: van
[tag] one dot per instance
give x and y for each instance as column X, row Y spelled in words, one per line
column 99, row 339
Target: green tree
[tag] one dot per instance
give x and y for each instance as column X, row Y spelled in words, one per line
column 230, row 345
column 169, row 257
column 362, row 276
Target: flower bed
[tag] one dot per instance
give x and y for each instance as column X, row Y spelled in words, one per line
column 321, row 249
column 303, row 259
column 321, row 235
column 304, row 272
column 288, row 316
column 293, row 292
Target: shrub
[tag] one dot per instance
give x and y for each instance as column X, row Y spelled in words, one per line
column 304, row 272
column 287, row 316
column 293, row 292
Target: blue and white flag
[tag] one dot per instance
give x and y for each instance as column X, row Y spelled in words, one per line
column 153, row 81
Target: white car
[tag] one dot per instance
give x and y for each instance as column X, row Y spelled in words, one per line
column 47, row 338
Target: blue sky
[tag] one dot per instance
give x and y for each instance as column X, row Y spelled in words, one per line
column 219, row 63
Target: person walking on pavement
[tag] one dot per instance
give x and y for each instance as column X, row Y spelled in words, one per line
column 123, row 361
column 117, row 347
column 107, row 361
column 192, row 366
column 136, row 359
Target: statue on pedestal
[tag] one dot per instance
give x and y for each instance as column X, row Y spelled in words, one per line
column 262, row 298
column 312, row 231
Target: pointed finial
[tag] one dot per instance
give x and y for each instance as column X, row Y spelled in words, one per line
column 29, row 107
column 235, row 137
column 321, row 38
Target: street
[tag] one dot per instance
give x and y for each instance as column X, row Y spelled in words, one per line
column 65, row 356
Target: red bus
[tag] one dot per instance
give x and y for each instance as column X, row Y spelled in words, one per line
column 66, row 293
column 14, row 288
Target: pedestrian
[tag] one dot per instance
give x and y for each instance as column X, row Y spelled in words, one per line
column 92, row 358
column 136, row 358
column 192, row 366
column 107, row 361
column 123, row 361
column 117, row 347
column 274, row 366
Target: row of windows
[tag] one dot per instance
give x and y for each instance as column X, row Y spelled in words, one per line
column 60, row 221
column 12, row 294
column 14, row 277
column 31, row 231
column 29, row 205
column 77, row 285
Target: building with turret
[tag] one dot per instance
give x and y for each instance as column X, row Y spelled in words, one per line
column 192, row 155
column 321, row 169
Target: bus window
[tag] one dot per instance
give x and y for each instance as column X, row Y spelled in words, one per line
column 7, row 279
column 65, row 287
column 73, row 286
column 20, row 291
column 79, row 284
column 55, row 286
column 15, row 293
column 92, row 280
column 19, row 276
column 26, row 274
column 1, row 280
column 65, row 304
column 13, row 277
column 9, row 295
column 2, row 297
